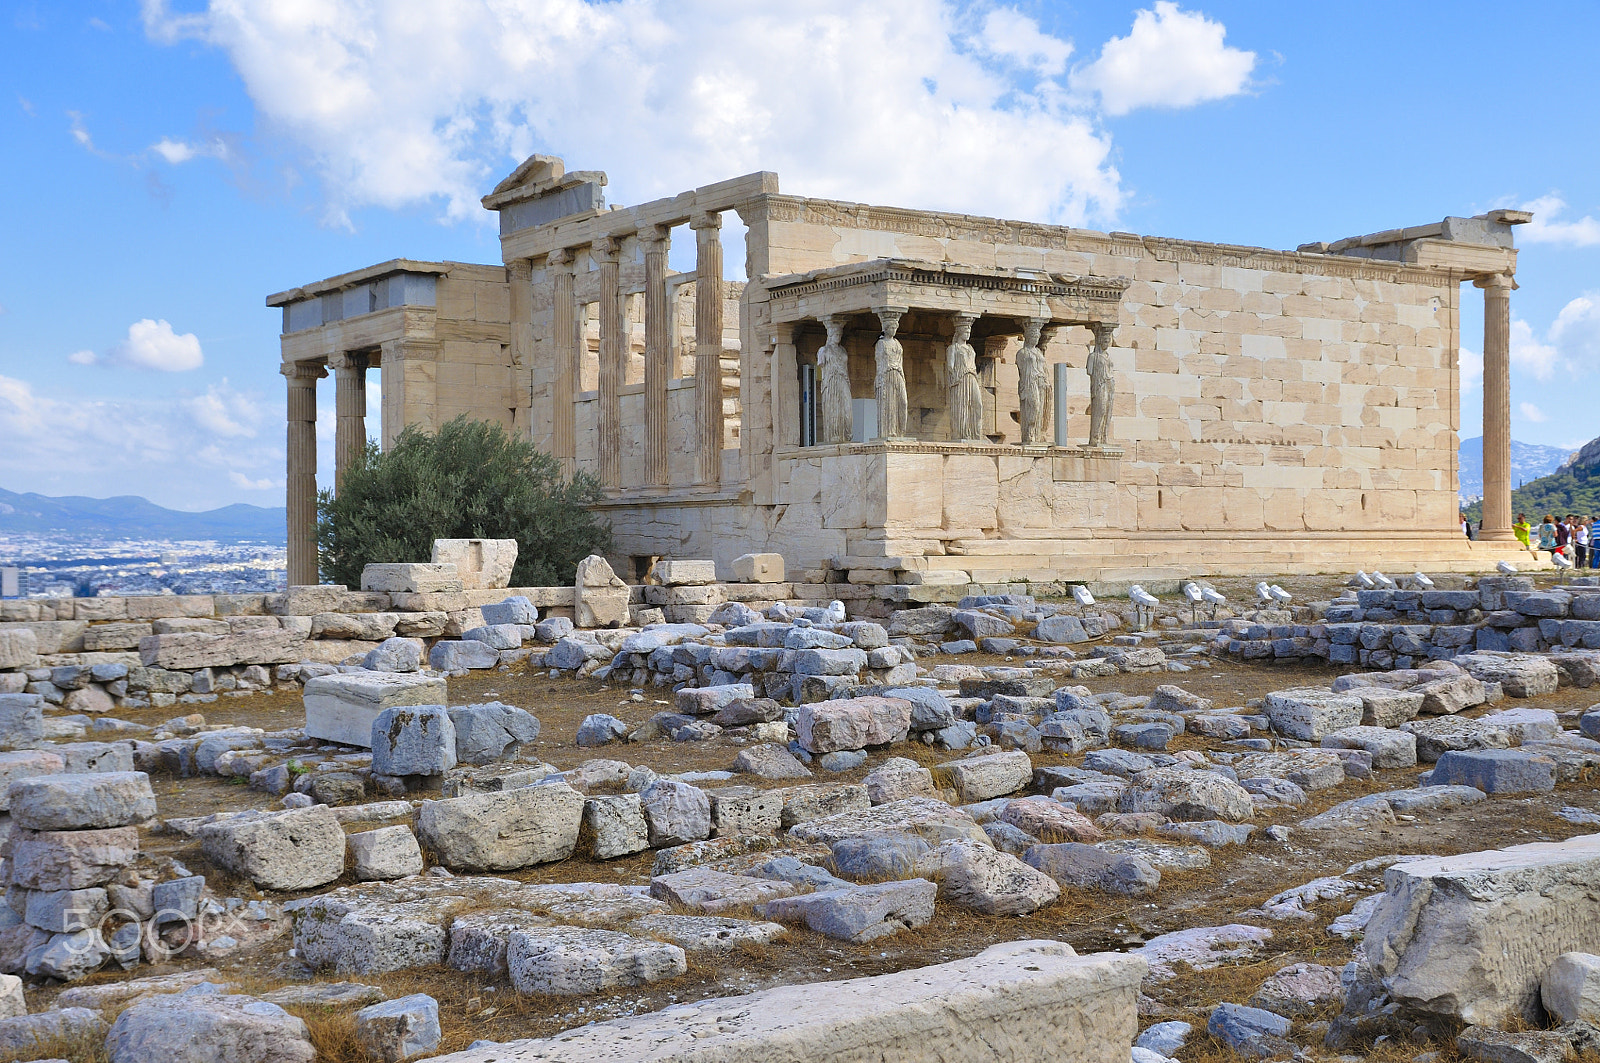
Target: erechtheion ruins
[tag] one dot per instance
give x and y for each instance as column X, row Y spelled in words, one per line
column 918, row 397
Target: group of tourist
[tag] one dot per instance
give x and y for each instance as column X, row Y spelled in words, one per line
column 1573, row 537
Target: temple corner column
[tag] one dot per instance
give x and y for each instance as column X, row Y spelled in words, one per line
column 657, row 354
column 563, row 428
column 612, row 356
column 708, row 345
column 301, row 470
column 350, row 407
column 1496, row 406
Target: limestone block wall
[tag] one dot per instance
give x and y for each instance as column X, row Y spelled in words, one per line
column 1257, row 390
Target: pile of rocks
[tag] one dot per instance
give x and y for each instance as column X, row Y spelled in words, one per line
column 71, row 901
column 1384, row 629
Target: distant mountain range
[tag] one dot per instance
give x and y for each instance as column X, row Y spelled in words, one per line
column 132, row 517
column 1529, row 461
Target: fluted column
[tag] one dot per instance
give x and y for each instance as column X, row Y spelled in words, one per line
column 785, row 386
column 564, row 309
column 1496, row 406
column 657, row 353
column 708, row 345
column 301, row 469
column 350, row 406
column 520, row 277
column 613, row 351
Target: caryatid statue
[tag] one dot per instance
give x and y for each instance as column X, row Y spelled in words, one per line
column 964, row 396
column 1033, row 384
column 889, row 382
column 833, row 384
column 1102, row 385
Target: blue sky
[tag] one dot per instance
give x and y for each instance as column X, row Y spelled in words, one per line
column 169, row 165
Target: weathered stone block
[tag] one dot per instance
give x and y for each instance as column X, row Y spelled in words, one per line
column 413, row 740
column 69, row 859
column 462, row 655
column 1495, row 771
column 505, row 830
column 613, row 826
column 1470, row 937
column 415, row 578
column 1311, row 713
column 859, row 914
column 21, row 721
column 385, row 853
column 82, row 802
column 481, row 564
column 568, row 961
column 986, row 776
column 187, row 652
column 1008, row 1003
column 758, row 568
column 855, row 723
column 342, row 707
column 28, row 763
column 297, row 849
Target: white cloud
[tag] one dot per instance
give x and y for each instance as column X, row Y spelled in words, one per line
column 239, row 479
column 1576, row 333
column 99, row 447
column 83, row 358
column 178, row 152
column 911, row 102
column 224, row 411
column 1008, row 33
column 1548, row 228
column 1531, row 412
column 1171, row 58
column 174, row 151
column 1471, row 363
column 1540, row 359
column 153, row 345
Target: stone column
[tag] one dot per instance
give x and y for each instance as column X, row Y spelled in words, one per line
column 519, row 276
column 657, row 354
column 708, row 345
column 613, row 351
column 1496, row 406
column 301, row 497
column 350, row 404
column 785, row 395
column 565, row 343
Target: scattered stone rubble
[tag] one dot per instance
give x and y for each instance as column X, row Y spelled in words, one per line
column 400, row 811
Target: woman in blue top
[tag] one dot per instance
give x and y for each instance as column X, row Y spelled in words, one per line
column 1547, row 535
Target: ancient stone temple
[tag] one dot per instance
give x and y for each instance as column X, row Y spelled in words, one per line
column 916, row 397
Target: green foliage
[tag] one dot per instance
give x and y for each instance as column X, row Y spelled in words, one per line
column 1567, row 490
column 470, row 481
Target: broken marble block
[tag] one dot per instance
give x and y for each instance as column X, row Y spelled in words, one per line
column 413, row 740
column 569, row 960
column 385, row 853
column 82, row 802
column 504, row 830
column 1470, row 937
column 342, row 707
column 296, row 849
column 860, row 913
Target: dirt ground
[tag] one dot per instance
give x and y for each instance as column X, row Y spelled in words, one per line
column 1239, row 878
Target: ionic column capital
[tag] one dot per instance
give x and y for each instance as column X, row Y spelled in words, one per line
column 1489, row 281
column 655, row 238
column 604, row 249
column 560, row 258
column 706, row 220
column 347, row 360
column 303, row 374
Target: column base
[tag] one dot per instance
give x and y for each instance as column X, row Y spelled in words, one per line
column 1496, row 535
